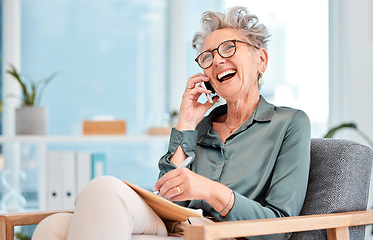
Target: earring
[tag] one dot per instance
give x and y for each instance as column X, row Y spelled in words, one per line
column 260, row 78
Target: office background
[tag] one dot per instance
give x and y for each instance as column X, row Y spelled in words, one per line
column 131, row 59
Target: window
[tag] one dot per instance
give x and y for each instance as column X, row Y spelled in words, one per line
column 110, row 57
column 123, row 58
column 298, row 71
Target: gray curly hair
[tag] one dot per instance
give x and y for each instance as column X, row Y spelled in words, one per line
column 237, row 18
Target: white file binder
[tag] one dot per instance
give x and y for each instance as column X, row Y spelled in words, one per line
column 83, row 170
column 68, row 180
column 54, row 176
column 68, row 173
column 60, row 180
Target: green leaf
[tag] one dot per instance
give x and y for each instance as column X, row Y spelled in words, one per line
column 41, row 86
column 332, row 131
column 21, row 236
column 17, row 76
column 31, row 96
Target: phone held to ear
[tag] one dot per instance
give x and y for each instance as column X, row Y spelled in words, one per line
column 208, row 86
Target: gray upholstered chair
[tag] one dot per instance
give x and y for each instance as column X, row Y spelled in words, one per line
column 339, row 182
column 337, row 198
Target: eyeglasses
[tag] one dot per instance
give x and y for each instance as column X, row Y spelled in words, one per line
column 225, row 49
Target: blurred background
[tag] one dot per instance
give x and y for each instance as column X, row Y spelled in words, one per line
column 130, row 60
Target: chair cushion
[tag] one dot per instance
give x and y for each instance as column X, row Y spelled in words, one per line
column 339, row 182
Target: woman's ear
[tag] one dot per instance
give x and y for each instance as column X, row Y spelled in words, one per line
column 263, row 60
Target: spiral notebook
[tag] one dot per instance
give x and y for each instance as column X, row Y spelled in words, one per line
column 164, row 208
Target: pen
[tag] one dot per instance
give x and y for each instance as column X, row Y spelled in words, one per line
column 183, row 164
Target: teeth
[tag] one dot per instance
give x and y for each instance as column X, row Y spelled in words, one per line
column 223, row 74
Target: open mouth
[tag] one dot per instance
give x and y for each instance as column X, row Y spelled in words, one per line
column 226, row 75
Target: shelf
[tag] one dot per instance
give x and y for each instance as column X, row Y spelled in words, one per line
column 84, row 139
column 11, row 149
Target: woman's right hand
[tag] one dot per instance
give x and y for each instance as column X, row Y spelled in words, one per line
column 191, row 111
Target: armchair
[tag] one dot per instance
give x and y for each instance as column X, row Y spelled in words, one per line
column 337, row 198
column 334, row 208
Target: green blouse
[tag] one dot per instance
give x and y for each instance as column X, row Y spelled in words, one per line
column 265, row 162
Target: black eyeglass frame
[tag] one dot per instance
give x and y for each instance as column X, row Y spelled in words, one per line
column 217, row 49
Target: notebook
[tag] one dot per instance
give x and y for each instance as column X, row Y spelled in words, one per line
column 164, row 208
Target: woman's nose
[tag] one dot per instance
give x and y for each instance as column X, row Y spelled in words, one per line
column 218, row 59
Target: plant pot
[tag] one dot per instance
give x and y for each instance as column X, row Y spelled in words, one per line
column 31, row 120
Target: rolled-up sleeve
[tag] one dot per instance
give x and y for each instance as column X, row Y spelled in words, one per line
column 187, row 140
column 265, row 162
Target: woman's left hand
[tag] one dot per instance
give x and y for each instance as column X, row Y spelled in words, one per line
column 183, row 184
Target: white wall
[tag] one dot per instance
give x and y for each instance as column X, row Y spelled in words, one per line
column 351, row 66
column 351, row 70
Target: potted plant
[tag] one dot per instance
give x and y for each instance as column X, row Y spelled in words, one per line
column 351, row 125
column 30, row 117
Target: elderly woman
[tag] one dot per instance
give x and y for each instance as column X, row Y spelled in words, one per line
column 250, row 158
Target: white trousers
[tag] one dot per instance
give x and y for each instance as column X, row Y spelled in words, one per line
column 106, row 209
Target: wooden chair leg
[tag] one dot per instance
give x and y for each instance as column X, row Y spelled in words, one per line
column 10, row 220
column 341, row 233
column 196, row 232
column 6, row 228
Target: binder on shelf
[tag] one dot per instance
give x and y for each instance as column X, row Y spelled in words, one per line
column 83, row 170
column 68, row 180
column 54, row 176
column 98, row 164
column 60, row 180
column 67, row 174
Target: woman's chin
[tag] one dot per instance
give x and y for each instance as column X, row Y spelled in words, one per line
column 230, row 96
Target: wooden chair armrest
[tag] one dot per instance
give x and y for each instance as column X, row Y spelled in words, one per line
column 337, row 225
column 10, row 220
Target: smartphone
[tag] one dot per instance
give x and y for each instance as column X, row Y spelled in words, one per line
column 208, row 86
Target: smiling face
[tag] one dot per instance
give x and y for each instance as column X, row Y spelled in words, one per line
column 237, row 76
